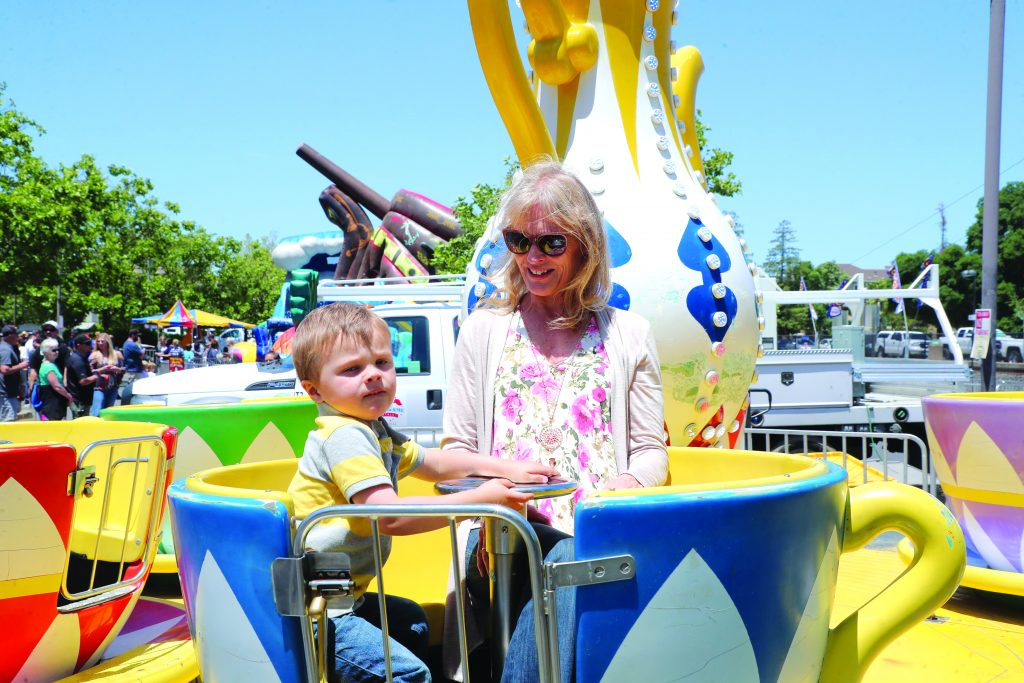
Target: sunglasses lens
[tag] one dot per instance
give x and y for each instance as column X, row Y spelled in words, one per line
column 552, row 245
column 517, row 242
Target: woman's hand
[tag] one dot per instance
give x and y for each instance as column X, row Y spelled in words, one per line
column 524, row 471
column 624, row 481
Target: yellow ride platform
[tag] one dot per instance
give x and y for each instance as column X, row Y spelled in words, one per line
column 973, row 637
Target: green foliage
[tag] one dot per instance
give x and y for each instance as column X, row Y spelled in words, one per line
column 473, row 214
column 797, row 318
column 720, row 181
column 1010, row 266
column 783, row 257
column 106, row 241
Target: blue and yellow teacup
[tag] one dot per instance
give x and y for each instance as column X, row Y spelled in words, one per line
column 736, row 566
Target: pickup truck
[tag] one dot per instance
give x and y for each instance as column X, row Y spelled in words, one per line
column 901, row 344
column 1007, row 348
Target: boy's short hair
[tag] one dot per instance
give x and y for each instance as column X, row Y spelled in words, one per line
column 320, row 333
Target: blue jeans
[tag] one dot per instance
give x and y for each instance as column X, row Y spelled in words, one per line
column 102, row 398
column 358, row 646
column 15, row 406
column 521, row 662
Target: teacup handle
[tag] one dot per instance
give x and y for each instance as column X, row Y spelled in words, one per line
column 929, row 581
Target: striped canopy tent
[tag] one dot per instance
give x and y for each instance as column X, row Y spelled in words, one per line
column 199, row 318
column 204, row 319
column 178, row 316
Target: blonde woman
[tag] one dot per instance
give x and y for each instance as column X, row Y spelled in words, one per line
column 552, row 373
column 108, row 364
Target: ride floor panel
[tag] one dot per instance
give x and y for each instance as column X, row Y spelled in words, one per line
column 975, row 636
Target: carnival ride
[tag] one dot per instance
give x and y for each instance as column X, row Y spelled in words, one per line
column 615, row 101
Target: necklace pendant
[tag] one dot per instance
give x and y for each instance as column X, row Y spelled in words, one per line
column 550, row 438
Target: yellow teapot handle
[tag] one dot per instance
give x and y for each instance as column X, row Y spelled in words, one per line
column 929, row 581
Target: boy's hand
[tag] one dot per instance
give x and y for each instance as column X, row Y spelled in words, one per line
column 500, row 491
column 527, row 472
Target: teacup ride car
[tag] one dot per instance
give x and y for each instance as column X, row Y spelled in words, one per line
column 80, row 506
column 740, row 555
column 213, row 435
column 979, row 457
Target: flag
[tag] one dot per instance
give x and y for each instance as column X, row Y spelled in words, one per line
column 810, row 307
column 924, row 282
column 894, row 271
column 835, row 309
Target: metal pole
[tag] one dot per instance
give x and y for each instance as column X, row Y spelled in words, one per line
column 990, row 217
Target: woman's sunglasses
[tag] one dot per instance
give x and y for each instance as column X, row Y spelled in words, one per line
column 550, row 244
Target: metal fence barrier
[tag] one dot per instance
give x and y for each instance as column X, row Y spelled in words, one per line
column 298, row 593
column 903, row 457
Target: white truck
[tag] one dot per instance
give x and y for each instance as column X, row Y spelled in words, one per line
column 424, row 323
column 901, row 344
column 1008, row 348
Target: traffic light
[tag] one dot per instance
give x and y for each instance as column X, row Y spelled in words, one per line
column 301, row 294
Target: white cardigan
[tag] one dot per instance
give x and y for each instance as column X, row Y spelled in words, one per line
column 637, row 410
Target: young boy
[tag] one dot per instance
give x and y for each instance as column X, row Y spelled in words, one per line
column 342, row 356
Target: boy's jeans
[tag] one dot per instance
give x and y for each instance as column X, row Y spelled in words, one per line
column 359, row 648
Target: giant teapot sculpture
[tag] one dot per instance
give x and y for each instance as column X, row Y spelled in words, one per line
column 613, row 99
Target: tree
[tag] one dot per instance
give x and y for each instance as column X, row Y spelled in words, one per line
column 797, row 318
column 783, row 256
column 473, row 214
column 720, row 181
column 107, row 244
column 1010, row 263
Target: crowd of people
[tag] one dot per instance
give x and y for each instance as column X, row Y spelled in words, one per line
column 56, row 379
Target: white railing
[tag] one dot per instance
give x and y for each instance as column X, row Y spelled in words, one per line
column 898, row 456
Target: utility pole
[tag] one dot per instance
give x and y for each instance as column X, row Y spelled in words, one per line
column 990, row 214
column 942, row 226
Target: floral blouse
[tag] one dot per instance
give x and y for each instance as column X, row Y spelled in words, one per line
column 571, row 396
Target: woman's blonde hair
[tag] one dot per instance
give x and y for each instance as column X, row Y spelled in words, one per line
column 111, row 355
column 322, row 331
column 547, row 191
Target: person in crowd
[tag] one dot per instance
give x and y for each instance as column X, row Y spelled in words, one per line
column 53, row 394
column 343, row 360
column 50, row 330
column 163, row 349
column 81, row 380
column 271, row 356
column 11, row 366
column 212, row 355
column 132, row 352
column 108, row 365
column 25, row 339
column 551, row 373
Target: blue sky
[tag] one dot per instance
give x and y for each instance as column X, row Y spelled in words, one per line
column 851, row 120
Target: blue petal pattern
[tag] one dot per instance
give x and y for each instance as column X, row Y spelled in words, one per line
column 701, row 303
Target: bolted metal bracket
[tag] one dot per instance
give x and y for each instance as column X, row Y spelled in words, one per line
column 307, row 584
column 588, row 572
column 81, row 481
